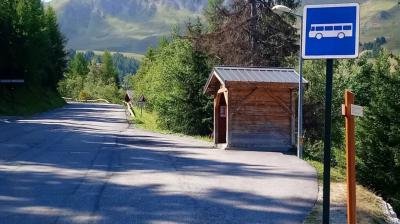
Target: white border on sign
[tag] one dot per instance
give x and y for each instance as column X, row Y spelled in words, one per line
column 357, row 39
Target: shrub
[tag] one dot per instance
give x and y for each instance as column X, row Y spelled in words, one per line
column 172, row 79
column 379, row 129
column 84, row 95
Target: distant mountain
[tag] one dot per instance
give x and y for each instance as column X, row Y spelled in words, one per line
column 133, row 25
column 381, row 18
column 121, row 25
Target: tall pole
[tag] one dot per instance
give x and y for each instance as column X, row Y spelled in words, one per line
column 327, row 142
column 301, row 93
column 350, row 159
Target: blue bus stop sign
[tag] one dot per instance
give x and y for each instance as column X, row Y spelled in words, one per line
column 331, row 31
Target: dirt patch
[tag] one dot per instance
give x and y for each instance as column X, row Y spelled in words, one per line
column 369, row 206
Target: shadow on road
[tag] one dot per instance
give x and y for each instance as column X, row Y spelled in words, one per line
column 72, row 165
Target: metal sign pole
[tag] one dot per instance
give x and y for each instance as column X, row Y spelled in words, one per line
column 300, row 103
column 331, row 31
column 327, row 142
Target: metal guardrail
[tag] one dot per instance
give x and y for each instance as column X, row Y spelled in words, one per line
column 130, row 109
column 86, row 101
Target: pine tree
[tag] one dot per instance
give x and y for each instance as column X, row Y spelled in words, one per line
column 249, row 33
column 172, row 78
column 109, row 74
column 32, row 46
column 212, row 13
column 8, row 66
column 78, row 66
column 56, row 52
column 379, row 134
column 31, row 49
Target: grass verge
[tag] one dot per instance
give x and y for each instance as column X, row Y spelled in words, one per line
column 369, row 206
column 148, row 121
column 26, row 101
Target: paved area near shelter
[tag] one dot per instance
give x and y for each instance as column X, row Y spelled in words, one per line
column 84, row 164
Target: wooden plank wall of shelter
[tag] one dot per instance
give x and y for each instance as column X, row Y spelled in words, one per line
column 261, row 116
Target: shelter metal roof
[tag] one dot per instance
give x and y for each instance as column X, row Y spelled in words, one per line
column 254, row 74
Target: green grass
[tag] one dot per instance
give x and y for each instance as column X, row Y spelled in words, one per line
column 25, row 101
column 204, row 138
column 148, row 121
column 338, row 174
column 369, row 208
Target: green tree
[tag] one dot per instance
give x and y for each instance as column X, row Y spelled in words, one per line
column 93, row 81
column 238, row 38
column 212, row 13
column 314, row 108
column 78, row 66
column 75, row 77
column 32, row 48
column 125, row 66
column 56, row 52
column 172, row 78
column 32, row 45
column 375, row 82
column 379, row 132
column 314, row 99
column 108, row 72
column 8, row 37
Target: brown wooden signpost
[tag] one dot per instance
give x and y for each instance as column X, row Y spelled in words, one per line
column 349, row 110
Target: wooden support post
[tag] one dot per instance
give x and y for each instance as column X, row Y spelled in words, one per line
column 228, row 119
column 350, row 158
column 292, row 118
column 216, row 122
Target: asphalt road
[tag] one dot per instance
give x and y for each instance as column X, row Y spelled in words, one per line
column 84, row 164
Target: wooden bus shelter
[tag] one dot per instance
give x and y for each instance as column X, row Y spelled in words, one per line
column 254, row 108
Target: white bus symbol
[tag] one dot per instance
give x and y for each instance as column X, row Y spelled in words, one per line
column 338, row 30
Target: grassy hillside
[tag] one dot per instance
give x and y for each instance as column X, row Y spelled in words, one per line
column 24, row 101
column 381, row 18
column 124, row 25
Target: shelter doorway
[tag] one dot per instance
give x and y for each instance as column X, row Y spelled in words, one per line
column 221, row 116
